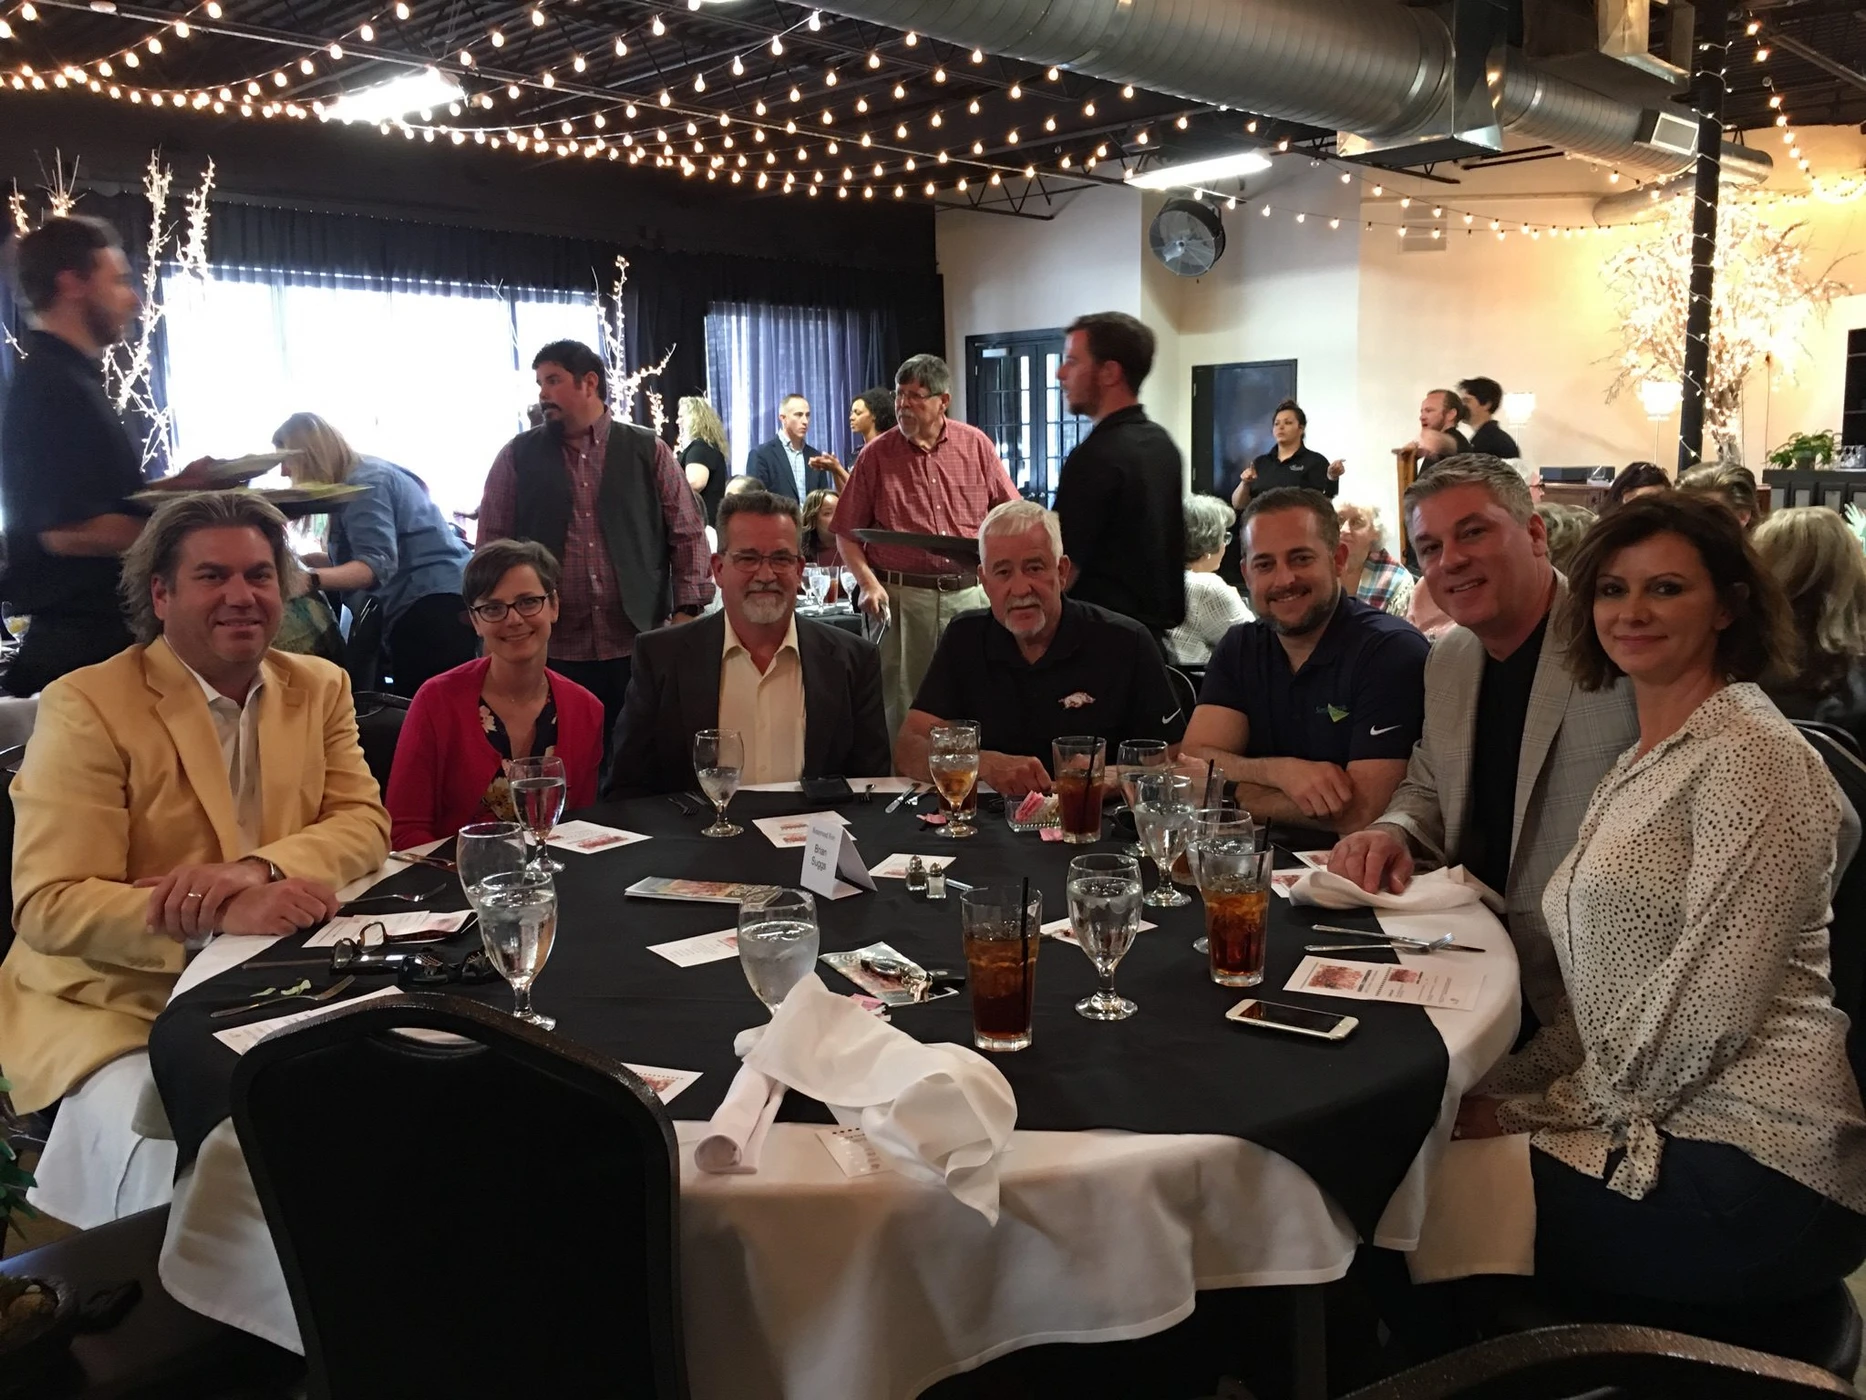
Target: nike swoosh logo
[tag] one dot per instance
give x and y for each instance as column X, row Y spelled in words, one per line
column 1170, row 718
column 1376, row 733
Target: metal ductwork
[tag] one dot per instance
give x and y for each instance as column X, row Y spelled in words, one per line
column 1373, row 69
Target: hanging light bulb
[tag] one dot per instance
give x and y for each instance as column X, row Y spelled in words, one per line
column 777, row 46
column 367, row 33
column 1016, row 91
column 972, row 106
column 657, row 28
column 939, row 75
column 874, row 59
column 621, row 47
column 816, row 20
column 1088, row 109
column 498, row 39
column 738, row 66
column 577, row 62
column 699, row 82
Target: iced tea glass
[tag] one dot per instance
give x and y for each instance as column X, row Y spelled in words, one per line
column 1002, row 935
column 1078, row 767
column 1234, row 880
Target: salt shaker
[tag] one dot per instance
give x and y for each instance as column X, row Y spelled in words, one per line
column 936, row 881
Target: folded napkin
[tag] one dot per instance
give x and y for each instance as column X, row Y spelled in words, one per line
column 1436, row 889
column 938, row 1113
column 735, row 1138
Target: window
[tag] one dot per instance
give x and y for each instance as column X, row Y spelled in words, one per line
column 1014, row 398
column 433, row 377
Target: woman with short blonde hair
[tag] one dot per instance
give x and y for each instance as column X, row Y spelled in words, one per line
column 1818, row 562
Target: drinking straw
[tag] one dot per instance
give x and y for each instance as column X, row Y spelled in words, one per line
column 1023, row 933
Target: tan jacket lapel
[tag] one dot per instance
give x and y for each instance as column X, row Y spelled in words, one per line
column 183, row 711
column 281, row 752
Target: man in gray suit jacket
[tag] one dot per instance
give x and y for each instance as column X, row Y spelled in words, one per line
column 804, row 697
column 1512, row 748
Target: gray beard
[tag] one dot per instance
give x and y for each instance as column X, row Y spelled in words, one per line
column 764, row 608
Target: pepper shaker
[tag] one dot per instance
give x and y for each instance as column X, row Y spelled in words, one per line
column 916, row 876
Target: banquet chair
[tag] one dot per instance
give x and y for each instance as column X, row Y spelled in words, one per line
column 1847, row 932
column 379, row 717
column 1606, row 1363
column 1184, row 691
column 487, row 1212
column 362, row 649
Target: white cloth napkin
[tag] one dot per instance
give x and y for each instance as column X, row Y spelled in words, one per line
column 735, row 1138
column 938, row 1113
column 1436, row 889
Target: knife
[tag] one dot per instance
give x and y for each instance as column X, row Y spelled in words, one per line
column 1398, row 938
column 894, row 806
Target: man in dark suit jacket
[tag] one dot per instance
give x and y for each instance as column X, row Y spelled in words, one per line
column 783, row 463
column 804, row 697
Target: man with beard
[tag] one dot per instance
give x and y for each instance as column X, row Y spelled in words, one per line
column 1313, row 707
column 1038, row 665
column 67, row 466
column 1124, row 529
column 804, row 697
column 1440, row 412
column 609, row 500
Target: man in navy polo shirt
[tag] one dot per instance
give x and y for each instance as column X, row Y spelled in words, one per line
column 1037, row 665
column 1313, row 708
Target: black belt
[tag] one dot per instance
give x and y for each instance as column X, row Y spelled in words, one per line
column 942, row 583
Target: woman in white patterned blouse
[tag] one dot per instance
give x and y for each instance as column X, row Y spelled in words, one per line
column 1698, row 1135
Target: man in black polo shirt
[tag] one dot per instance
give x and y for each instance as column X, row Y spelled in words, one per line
column 1124, row 529
column 1038, row 665
column 1314, row 707
column 67, row 465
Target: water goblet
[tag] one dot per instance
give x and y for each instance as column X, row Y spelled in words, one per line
column 952, row 759
column 1163, row 817
column 718, row 758
column 539, row 787
column 517, row 925
column 488, row 848
column 778, row 942
column 1104, row 914
column 1134, row 757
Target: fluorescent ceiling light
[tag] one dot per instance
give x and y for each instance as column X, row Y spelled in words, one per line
column 1201, row 172
column 413, row 92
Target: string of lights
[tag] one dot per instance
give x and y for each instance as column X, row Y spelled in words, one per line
column 674, row 132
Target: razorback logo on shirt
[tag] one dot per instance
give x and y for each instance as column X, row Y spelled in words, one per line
column 1077, row 700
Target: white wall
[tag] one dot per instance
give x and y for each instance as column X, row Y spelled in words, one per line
column 1372, row 327
column 1005, row 274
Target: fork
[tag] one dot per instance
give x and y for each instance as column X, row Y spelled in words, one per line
column 868, row 794
column 422, row 898
column 261, row 1003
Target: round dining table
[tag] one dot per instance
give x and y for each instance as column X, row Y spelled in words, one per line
column 1153, row 1158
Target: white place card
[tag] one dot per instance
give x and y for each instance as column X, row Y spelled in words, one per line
column 1446, row 986
column 240, row 1039
column 393, row 926
column 701, row 948
column 832, row 867
column 785, row 832
column 1061, row 930
column 852, row 1151
column 666, row 1083
column 586, row 838
column 895, row 866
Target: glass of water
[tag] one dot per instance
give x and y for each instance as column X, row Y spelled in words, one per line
column 1163, row 810
column 487, row 848
column 718, row 758
column 778, row 942
column 1133, row 758
column 517, row 924
column 539, row 786
column 1104, row 915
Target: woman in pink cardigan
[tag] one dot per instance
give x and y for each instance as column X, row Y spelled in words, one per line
column 464, row 723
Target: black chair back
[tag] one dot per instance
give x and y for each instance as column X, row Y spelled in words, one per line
column 362, row 651
column 379, row 717
column 1840, row 736
column 1846, row 936
column 491, row 1217
column 1606, row 1362
column 1184, row 691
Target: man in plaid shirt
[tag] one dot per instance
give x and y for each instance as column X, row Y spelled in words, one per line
column 609, row 500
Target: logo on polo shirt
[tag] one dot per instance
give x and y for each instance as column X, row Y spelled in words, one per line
column 1336, row 713
column 1077, row 700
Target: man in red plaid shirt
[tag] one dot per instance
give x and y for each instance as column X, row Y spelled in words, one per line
column 608, row 499
column 926, row 475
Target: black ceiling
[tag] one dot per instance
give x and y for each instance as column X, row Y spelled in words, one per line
column 895, row 104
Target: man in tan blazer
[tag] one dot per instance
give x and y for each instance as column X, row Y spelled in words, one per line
column 1512, row 748
column 196, row 782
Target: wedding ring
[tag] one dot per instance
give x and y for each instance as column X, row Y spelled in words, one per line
column 193, row 894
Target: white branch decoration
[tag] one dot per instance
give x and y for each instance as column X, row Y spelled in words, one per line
column 1764, row 300
column 625, row 383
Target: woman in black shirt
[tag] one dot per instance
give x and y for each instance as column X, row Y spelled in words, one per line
column 1292, row 462
column 703, row 452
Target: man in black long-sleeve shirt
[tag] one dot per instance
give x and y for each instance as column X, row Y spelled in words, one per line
column 1119, row 494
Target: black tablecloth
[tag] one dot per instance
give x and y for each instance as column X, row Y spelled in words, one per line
column 1352, row 1114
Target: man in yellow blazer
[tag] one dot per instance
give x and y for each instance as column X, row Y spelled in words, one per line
column 196, row 782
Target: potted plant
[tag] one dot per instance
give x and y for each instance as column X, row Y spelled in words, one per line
column 1806, row 450
column 36, row 1315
